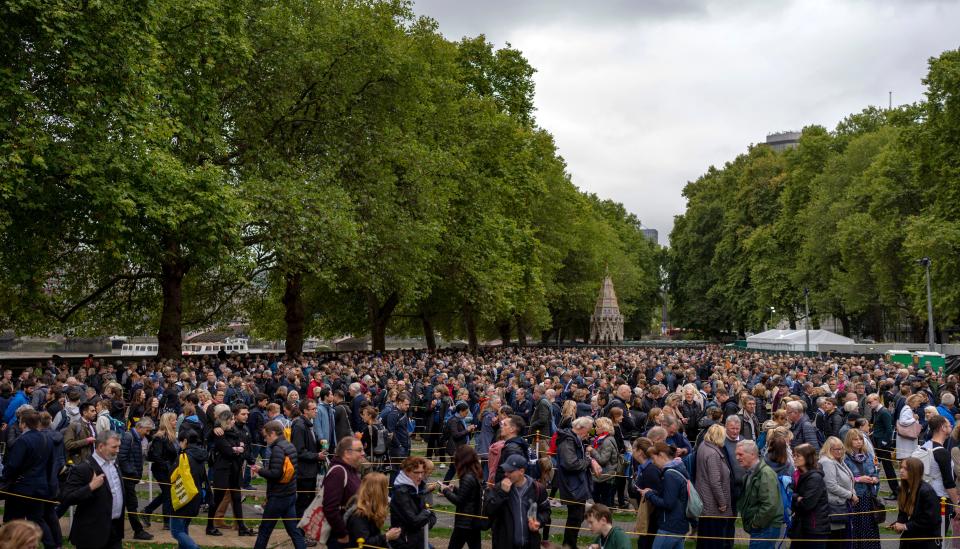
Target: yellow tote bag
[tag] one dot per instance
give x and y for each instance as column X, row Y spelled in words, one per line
column 183, row 489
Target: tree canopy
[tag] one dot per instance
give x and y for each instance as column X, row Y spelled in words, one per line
column 846, row 215
column 316, row 168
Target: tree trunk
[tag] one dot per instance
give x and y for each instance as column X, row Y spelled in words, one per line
column 471, row 324
column 379, row 318
column 504, row 329
column 521, row 332
column 793, row 321
column 169, row 337
column 293, row 313
column 428, row 332
column 845, row 323
column 545, row 336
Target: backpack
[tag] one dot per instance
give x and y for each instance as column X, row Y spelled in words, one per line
column 690, row 460
column 785, row 483
column 288, row 471
column 381, row 446
column 694, row 503
column 63, row 422
column 925, row 454
column 117, row 425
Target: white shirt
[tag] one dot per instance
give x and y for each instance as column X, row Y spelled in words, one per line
column 113, row 480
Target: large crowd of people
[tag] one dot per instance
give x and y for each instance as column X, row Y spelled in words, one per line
column 692, row 442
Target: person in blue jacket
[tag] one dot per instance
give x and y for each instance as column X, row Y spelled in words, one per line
column 670, row 503
column 23, row 396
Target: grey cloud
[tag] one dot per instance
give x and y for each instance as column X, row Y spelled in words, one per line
column 642, row 97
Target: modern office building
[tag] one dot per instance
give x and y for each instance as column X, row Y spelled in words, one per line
column 782, row 141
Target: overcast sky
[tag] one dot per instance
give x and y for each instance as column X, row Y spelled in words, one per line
column 644, row 95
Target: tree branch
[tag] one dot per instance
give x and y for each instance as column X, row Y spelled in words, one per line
column 100, row 291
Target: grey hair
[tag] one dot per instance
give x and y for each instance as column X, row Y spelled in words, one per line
column 104, row 436
column 582, row 423
column 733, row 419
column 146, row 423
column 795, row 406
column 23, row 408
column 948, row 399
column 749, row 446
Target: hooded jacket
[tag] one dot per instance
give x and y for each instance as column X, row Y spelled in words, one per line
column 409, row 513
column 810, row 507
column 671, row 502
column 573, row 467
column 515, row 446
column 501, row 507
column 197, row 458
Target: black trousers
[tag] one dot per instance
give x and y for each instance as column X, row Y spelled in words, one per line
column 306, row 491
column 116, row 536
column 32, row 510
column 131, row 504
column 218, row 495
column 571, row 530
column 885, row 455
column 468, row 536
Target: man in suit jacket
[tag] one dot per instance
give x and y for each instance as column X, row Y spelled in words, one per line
column 95, row 487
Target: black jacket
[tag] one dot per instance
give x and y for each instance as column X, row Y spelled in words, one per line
column 227, row 464
column 162, row 455
column 810, row 506
column 500, row 512
column 273, row 469
column 409, row 513
column 92, row 524
column 360, row 527
column 305, row 441
column 573, row 467
column 467, row 498
column 924, row 522
column 542, row 419
column 341, row 416
column 130, row 457
column 515, row 446
column 456, row 434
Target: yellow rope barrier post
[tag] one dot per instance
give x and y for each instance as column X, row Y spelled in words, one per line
column 943, row 516
column 426, row 531
column 360, row 543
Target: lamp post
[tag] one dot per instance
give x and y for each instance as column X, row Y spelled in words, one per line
column 773, row 311
column 806, row 322
column 930, row 332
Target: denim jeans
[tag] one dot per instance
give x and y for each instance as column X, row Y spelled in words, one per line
column 179, row 530
column 280, row 507
column 765, row 537
column 668, row 540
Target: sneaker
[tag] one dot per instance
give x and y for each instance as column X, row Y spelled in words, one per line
column 554, row 503
column 145, row 519
column 258, row 509
column 310, row 542
column 890, row 498
column 213, row 532
column 141, row 535
column 246, row 532
column 442, row 466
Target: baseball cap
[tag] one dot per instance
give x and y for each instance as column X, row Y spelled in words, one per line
column 513, row 463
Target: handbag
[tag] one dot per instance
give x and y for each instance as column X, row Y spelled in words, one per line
column 183, row 488
column 911, row 431
column 314, row 523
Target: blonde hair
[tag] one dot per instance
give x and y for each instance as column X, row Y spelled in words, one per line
column 851, row 435
column 372, row 500
column 569, row 409
column 828, row 447
column 604, row 425
column 716, row 435
column 168, row 426
column 20, row 533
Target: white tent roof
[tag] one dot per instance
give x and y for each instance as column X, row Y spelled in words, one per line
column 797, row 337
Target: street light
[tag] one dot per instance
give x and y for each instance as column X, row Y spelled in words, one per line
column 931, row 343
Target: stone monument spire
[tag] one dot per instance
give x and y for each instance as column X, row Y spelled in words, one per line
column 606, row 323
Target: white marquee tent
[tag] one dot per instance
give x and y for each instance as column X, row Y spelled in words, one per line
column 795, row 340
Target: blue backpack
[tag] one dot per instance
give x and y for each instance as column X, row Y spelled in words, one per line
column 786, row 498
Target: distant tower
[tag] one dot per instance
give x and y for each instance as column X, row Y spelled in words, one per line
column 606, row 323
